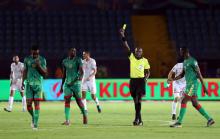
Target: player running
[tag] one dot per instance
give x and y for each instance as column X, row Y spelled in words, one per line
column 191, row 72
column 71, row 84
column 88, row 81
column 34, row 71
column 178, row 87
column 16, row 75
column 139, row 73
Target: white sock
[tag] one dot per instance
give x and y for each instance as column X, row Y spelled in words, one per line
column 174, row 105
column 85, row 105
column 10, row 102
column 24, row 102
column 97, row 101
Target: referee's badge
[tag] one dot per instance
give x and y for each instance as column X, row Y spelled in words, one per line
column 141, row 67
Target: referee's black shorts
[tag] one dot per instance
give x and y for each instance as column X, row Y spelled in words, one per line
column 137, row 87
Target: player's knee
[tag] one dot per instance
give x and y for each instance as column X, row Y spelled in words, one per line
column 194, row 105
column 11, row 94
column 137, row 101
column 83, row 95
column 177, row 99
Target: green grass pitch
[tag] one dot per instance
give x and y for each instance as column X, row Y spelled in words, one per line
column 114, row 122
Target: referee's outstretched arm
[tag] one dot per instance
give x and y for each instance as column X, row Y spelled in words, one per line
column 124, row 41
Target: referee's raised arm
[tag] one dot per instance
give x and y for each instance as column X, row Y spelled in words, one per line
column 124, row 41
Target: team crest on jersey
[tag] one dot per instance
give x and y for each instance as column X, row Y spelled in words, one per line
column 29, row 62
column 70, row 65
column 33, row 65
column 140, row 67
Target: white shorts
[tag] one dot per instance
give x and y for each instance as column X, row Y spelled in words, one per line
column 16, row 86
column 178, row 90
column 89, row 86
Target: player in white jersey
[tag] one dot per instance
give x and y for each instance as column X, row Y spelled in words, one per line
column 16, row 83
column 88, row 81
column 178, row 87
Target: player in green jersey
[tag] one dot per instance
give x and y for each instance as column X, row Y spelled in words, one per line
column 192, row 73
column 71, row 84
column 34, row 70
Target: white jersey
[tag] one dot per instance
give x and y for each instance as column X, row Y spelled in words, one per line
column 177, row 69
column 17, row 71
column 88, row 69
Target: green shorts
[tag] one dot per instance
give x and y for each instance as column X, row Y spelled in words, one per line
column 74, row 90
column 33, row 92
column 191, row 88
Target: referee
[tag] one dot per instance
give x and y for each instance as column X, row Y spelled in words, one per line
column 139, row 73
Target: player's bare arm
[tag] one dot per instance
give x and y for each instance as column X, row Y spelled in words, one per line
column 64, row 78
column 197, row 69
column 124, row 41
column 92, row 74
column 11, row 77
column 170, row 77
column 43, row 71
column 179, row 76
column 24, row 76
column 147, row 73
column 81, row 72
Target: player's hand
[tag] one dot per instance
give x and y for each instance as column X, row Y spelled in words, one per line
column 205, row 90
column 122, row 32
column 145, row 79
column 61, row 89
column 169, row 81
column 70, row 84
column 88, row 79
column 22, row 86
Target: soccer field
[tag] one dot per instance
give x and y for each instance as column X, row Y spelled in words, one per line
column 114, row 122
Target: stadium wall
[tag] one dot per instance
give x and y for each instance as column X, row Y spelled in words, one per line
column 117, row 89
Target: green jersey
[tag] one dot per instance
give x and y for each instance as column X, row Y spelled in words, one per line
column 190, row 66
column 33, row 75
column 72, row 68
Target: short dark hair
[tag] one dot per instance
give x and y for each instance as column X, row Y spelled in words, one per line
column 72, row 48
column 180, row 60
column 138, row 48
column 34, row 47
column 185, row 49
column 87, row 51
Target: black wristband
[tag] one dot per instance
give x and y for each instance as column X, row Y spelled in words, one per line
column 123, row 39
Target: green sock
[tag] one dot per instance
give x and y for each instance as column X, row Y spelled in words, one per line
column 204, row 113
column 84, row 111
column 181, row 115
column 36, row 117
column 67, row 113
column 81, row 106
column 30, row 111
